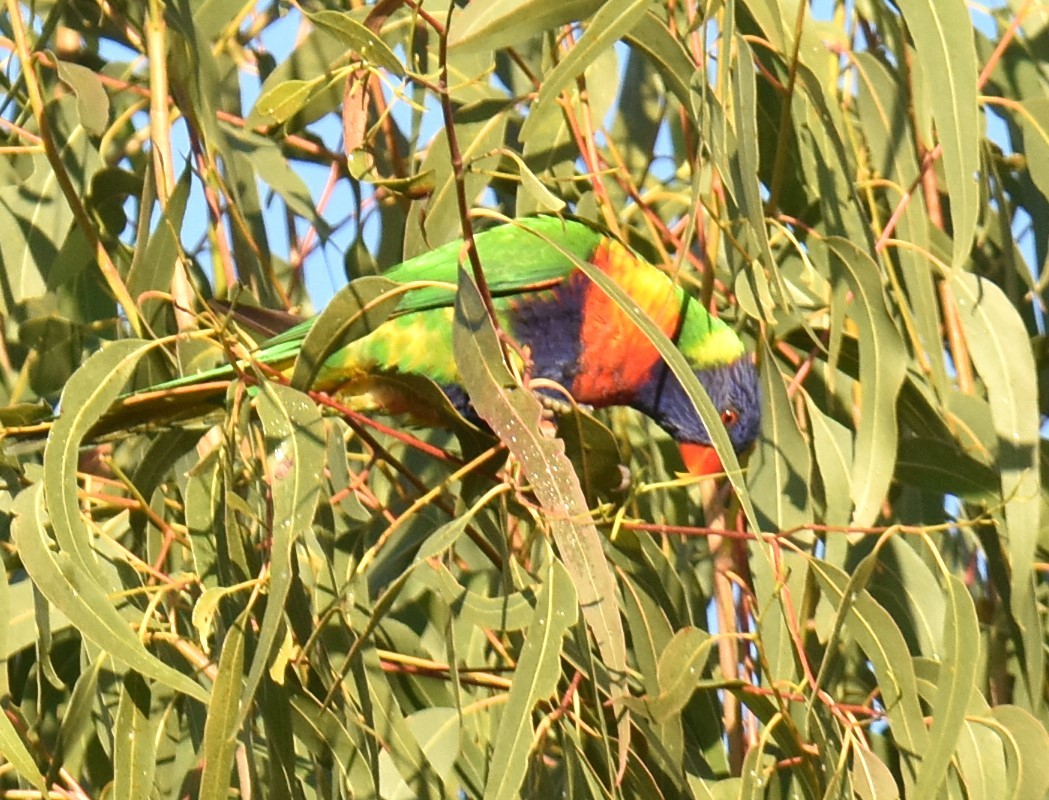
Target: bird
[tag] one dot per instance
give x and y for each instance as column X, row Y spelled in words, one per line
column 573, row 333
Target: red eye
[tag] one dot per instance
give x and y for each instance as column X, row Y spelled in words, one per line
column 729, row 417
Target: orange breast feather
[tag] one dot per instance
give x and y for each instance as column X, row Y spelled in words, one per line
column 616, row 357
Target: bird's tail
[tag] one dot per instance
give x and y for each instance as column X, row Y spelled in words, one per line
column 175, row 402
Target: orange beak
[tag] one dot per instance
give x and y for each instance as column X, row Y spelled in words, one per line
column 701, row 459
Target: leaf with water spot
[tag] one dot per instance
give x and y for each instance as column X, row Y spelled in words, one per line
column 681, row 665
column 514, row 415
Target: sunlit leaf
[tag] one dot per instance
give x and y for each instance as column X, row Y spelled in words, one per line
column 490, row 26
column 363, row 41
column 943, row 37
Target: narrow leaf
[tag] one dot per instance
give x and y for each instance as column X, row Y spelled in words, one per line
column 1001, row 352
column 883, row 365
column 65, row 585
column 14, row 750
column 778, row 477
column 220, row 728
column 295, row 444
column 363, row 41
column 514, row 414
column 355, row 311
column 943, row 36
column 958, row 677
column 135, row 745
column 492, row 26
column 536, row 677
column 87, row 396
column 880, row 638
column 614, row 20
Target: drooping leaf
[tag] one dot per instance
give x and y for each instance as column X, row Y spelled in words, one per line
column 514, row 415
column 882, row 368
column 1001, row 352
column 943, row 38
column 79, row 597
column 135, row 756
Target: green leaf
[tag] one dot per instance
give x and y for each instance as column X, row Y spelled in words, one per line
column 980, row 758
column 493, row 26
column 480, row 130
column 34, row 216
column 92, row 101
column 943, row 36
column 1034, row 118
column 871, row 779
column 956, row 681
column 65, row 584
column 356, row 310
column 514, row 415
column 223, row 721
column 593, row 450
column 882, row 105
column 508, row 612
column 880, row 638
column 778, row 477
column 295, row 450
column 154, row 263
column 88, row 395
column 389, row 725
column 438, row 732
column 275, row 169
column 1027, row 750
column 359, row 38
column 650, row 632
column 279, row 103
column 943, row 467
column 135, row 745
column 614, row 20
column 681, row 666
column 833, row 446
column 14, row 750
column 536, row 677
column 78, row 728
column 883, row 365
column 652, row 36
column 544, row 199
column 1001, row 353
column 745, row 162
column 325, row 731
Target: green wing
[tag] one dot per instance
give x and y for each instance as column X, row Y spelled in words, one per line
column 517, row 257
column 514, row 261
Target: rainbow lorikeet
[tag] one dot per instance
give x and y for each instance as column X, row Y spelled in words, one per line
column 575, row 334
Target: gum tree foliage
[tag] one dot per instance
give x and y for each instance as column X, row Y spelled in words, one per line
column 291, row 601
